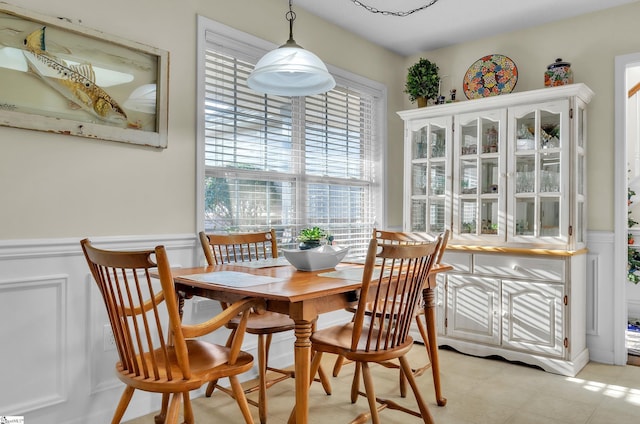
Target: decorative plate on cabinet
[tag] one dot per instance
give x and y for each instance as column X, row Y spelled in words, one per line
column 489, row 76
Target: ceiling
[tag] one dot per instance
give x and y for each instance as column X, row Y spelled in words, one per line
column 446, row 22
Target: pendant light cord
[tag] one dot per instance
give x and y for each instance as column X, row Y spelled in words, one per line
column 390, row 13
column 290, row 16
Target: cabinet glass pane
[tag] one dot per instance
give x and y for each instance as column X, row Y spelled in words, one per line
column 489, row 175
column 581, row 113
column 580, row 175
column 489, row 216
column 419, row 179
column 550, row 173
column 549, row 130
column 580, row 223
column 436, row 183
column 418, row 215
column 437, row 142
column 469, row 145
column 525, row 174
column 420, row 143
column 525, row 216
column 436, row 216
column 525, row 132
column 550, row 217
column 489, row 136
column 469, row 177
column 468, row 217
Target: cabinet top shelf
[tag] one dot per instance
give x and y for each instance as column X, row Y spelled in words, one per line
column 579, row 90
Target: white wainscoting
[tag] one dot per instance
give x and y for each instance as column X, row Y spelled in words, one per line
column 53, row 364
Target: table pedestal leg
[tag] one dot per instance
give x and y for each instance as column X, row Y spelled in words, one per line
column 302, row 358
column 430, row 317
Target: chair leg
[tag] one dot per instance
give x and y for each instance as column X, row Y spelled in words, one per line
column 423, row 333
column 355, row 384
column 338, row 365
column 424, row 411
column 174, row 409
column 122, row 405
column 210, row 388
column 212, row 384
column 188, row 410
column 262, row 376
column 238, row 393
column 403, row 384
column 371, row 395
column 324, row 380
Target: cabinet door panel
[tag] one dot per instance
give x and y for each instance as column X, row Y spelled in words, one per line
column 532, row 316
column 472, row 309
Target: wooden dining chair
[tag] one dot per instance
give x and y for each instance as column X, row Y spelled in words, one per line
column 384, row 335
column 157, row 352
column 395, row 237
column 245, row 247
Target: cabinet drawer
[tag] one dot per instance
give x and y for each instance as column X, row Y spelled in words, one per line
column 542, row 268
column 461, row 262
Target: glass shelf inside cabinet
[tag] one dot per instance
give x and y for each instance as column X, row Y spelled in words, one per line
column 469, row 145
column 550, row 173
column 436, row 216
column 437, row 179
column 525, row 173
column 418, row 215
column 526, row 132
column 468, row 214
column 469, row 177
column 489, row 175
column 550, row 217
column 438, row 142
column 419, row 178
column 489, row 217
column 549, row 130
column 525, row 216
column 489, row 136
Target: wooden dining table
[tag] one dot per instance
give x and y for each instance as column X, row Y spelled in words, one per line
column 303, row 296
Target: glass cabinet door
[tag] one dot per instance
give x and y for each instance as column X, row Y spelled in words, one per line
column 479, row 171
column 538, row 172
column 580, row 172
column 429, row 176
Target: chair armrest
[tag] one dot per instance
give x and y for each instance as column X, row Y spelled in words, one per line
column 146, row 306
column 232, row 311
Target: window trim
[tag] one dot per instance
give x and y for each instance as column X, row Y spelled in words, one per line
column 249, row 47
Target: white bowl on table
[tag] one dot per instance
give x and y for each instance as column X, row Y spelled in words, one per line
column 323, row 257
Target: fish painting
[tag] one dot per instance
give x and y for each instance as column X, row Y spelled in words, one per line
column 75, row 82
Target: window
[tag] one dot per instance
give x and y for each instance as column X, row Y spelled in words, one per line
column 281, row 162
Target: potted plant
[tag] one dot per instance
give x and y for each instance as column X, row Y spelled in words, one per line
column 310, row 237
column 423, row 82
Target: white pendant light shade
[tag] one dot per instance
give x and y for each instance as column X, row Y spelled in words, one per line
column 290, row 71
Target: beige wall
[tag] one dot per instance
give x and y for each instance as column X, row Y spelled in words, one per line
column 59, row 186
column 591, row 43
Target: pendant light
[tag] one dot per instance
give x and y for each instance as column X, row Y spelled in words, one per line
column 290, row 70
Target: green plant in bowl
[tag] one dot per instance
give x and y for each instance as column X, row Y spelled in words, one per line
column 310, row 237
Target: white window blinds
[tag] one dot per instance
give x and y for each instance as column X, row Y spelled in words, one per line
column 287, row 163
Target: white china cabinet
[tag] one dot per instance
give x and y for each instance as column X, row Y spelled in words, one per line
column 506, row 175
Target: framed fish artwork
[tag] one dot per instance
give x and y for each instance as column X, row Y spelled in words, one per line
column 60, row 77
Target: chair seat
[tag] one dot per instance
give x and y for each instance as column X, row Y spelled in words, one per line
column 337, row 339
column 207, row 362
column 265, row 323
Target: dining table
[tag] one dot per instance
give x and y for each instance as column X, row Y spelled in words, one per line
column 303, row 296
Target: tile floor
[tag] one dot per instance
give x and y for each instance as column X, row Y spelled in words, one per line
column 479, row 391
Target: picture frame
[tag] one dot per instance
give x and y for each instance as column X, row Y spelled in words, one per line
column 60, row 77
